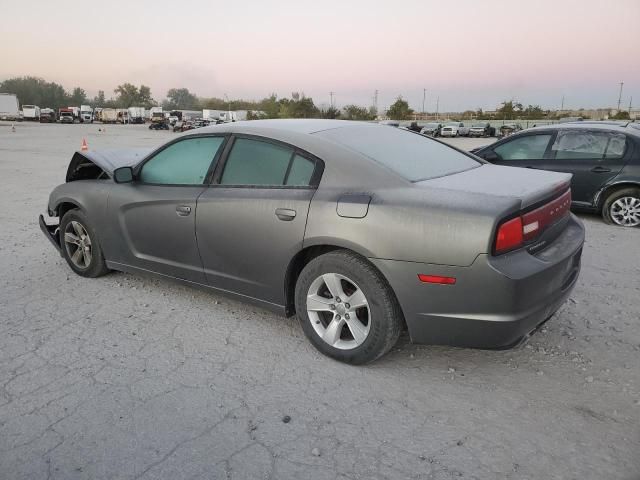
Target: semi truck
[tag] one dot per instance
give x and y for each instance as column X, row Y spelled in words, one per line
column 9, row 107
column 31, row 113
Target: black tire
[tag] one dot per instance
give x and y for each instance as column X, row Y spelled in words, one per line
column 96, row 266
column 385, row 316
column 611, row 199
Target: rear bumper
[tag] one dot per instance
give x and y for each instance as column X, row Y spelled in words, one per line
column 52, row 232
column 496, row 302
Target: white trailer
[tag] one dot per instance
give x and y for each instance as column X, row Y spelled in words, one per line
column 109, row 115
column 9, row 107
column 31, row 112
column 136, row 114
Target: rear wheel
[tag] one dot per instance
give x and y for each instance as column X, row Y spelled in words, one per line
column 80, row 247
column 346, row 309
column 622, row 208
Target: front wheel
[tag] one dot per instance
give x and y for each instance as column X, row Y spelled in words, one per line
column 80, row 247
column 346, row 308
column 622, row 208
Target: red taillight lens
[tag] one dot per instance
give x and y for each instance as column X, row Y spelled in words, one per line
column 437, row 279
column 509, row 235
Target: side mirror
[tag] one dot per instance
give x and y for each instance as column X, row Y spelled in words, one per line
column 490, row 156
column 123, row 175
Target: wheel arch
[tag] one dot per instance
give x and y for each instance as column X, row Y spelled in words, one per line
column 602, row 195
column 64, row 205
column 306, row 255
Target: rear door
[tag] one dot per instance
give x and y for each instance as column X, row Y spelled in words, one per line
column 153, row 218
column 594, row 157
column 251, row 220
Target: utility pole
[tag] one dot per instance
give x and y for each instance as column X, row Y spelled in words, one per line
column 562, row 104
column 424, row 97
column 620, row 95
column 375, row 100
column 437, row 107
column 331, row 94
column 630, row 100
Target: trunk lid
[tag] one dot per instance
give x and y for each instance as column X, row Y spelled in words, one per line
column 530, row 187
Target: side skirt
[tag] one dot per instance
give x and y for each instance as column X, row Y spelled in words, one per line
column 121, row 267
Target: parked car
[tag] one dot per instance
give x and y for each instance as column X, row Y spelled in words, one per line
column 509, row 129
column 454, row 129
column 183, row 126
column 603, row 158
column 358, row 229
column 431, row 129
column 482, row 130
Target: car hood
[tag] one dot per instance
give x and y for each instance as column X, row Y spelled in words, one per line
column 109, row 160
column 105, row 160
column 525, row 185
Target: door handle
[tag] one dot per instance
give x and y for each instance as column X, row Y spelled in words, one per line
column 285, row 214
column 183, row 210
column 600, row 169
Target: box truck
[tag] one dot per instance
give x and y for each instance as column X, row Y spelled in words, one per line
column 136, row 114
column 9, row 107
column 31, row 113
column 109, row 115
column 86, row 114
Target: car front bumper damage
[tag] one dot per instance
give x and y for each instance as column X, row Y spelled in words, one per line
column 51, row 231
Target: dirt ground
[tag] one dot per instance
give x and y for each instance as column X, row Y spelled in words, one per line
column 126, row 377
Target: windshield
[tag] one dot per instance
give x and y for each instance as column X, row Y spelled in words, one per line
column 452, row 124
column 66, row 114
column 412, row 156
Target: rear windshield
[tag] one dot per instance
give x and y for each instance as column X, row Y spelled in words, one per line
column 412, row 156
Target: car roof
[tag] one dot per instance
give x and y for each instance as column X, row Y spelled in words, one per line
column 292, row 125
column 605, row 125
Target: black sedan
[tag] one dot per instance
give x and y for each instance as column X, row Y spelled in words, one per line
column 604, row 158
column 359, row 229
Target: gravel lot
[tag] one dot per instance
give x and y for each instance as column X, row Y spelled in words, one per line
column 127, row 377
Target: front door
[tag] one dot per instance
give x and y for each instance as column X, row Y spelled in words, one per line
column 154, row 216
column 251, row 220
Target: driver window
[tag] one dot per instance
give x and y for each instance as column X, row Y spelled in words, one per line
column 183, row 163
column 530, row 147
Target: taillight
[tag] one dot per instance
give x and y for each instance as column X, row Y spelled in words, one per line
column 509, row 235
column 513, row 233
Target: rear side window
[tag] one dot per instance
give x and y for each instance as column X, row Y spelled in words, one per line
column 588, row 145
column 183, row 163
column 255, row 162
column 300, row 172
column 412, row 156
column 529, row 147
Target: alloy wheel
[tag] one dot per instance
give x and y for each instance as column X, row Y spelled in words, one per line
column 625, row 211
column 338, row 311
column 78, row 244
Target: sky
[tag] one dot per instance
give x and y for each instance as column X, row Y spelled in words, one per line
column 466, row 53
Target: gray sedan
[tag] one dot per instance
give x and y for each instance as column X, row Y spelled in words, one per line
column 360, row 230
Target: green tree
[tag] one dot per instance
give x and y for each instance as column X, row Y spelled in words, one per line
column 99, row 100
column 330, row 112
column 354, row 112
column 509, row 110
column 181, row 99
column 127, row 95
column 621, row 115
column 533, row 112
column 78, row 97
column 399, row 110
column 36, row 91
column 144, row 97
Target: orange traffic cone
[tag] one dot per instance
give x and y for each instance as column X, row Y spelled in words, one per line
column 84, row 145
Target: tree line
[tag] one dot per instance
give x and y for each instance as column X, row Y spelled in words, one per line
column 38, row 91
